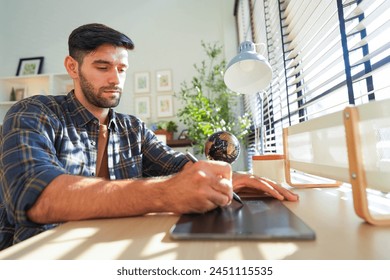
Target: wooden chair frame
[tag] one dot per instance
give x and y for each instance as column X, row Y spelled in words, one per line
column 356, row 168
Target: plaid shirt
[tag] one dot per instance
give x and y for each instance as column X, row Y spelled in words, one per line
column 46, row 136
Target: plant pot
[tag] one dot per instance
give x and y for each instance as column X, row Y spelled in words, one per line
column 168, row 134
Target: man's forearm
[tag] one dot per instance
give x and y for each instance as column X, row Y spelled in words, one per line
column 70, row 197
column 198, row 188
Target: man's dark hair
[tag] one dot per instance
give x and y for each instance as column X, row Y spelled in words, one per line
column 87, row 38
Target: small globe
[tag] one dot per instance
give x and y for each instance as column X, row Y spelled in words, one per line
column 222, row 146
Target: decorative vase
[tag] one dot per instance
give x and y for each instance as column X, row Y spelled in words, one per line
column 12, row 95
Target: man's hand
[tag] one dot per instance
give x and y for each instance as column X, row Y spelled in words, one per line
column 200, row 187
column 261, row 184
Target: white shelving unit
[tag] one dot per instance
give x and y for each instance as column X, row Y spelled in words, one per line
column 54, row 84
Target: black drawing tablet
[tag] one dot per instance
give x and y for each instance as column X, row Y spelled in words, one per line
column 261, row 219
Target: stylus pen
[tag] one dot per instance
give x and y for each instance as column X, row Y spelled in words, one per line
column 194, row 159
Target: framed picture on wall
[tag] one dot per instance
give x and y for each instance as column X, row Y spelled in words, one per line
column 30, row 66
column 142, row 107
column 164, row 80
column 164, row 106
column 141, row 82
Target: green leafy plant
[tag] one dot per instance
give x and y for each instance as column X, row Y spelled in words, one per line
column 208, row 105
column 169, row 126
column 172, row 126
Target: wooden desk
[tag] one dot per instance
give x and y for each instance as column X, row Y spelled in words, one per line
column 340, row 235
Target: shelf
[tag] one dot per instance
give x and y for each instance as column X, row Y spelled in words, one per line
column 53, row 84
column 179, row 143
column 7, row 103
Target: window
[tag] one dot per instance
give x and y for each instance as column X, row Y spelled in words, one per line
column 324, row 54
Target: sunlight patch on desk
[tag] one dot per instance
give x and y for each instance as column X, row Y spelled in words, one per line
column 81, row 233
column 103, row 250
column 83, row 247
column 277, row 251
column 266, row 251
column 230, row 252
column 70, row 243
column 149, row 250
column 69, row 236
column 67, row 241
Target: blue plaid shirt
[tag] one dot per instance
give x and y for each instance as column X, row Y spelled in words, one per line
column 45, row 136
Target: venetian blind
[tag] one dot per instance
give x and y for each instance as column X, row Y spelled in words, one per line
column 325, row 55
column 367, row 43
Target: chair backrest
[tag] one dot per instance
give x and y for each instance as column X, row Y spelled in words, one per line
column 317, row 147
column 351, row 146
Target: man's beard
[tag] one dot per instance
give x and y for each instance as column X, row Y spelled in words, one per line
column 95, row 98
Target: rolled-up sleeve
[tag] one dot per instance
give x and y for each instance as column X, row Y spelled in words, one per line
column 27, row 159
column 158, row 158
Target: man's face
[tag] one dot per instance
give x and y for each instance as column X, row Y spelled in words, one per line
column 102, row 75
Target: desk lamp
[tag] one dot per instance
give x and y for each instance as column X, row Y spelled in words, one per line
column 248, row 72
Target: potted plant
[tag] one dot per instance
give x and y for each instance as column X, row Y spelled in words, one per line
column 208, row 105
column 167, row 128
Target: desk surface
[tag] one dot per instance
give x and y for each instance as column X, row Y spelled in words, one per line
column 340, row 234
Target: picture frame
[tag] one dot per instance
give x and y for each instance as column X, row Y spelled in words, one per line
column 142, row 107
column 20, row 93
column 164, row 80
column 30, row 66
column 164, row 106
column 141, row 82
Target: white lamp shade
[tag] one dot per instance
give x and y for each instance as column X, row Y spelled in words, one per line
column 248, row 72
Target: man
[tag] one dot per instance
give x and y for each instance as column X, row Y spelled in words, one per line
column 65, row 158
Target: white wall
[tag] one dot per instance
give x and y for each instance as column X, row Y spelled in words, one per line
column 167, row 34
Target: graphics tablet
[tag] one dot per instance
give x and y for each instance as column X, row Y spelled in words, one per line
column 261, row 219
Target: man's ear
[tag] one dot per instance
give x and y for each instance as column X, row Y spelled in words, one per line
column 71, row 66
